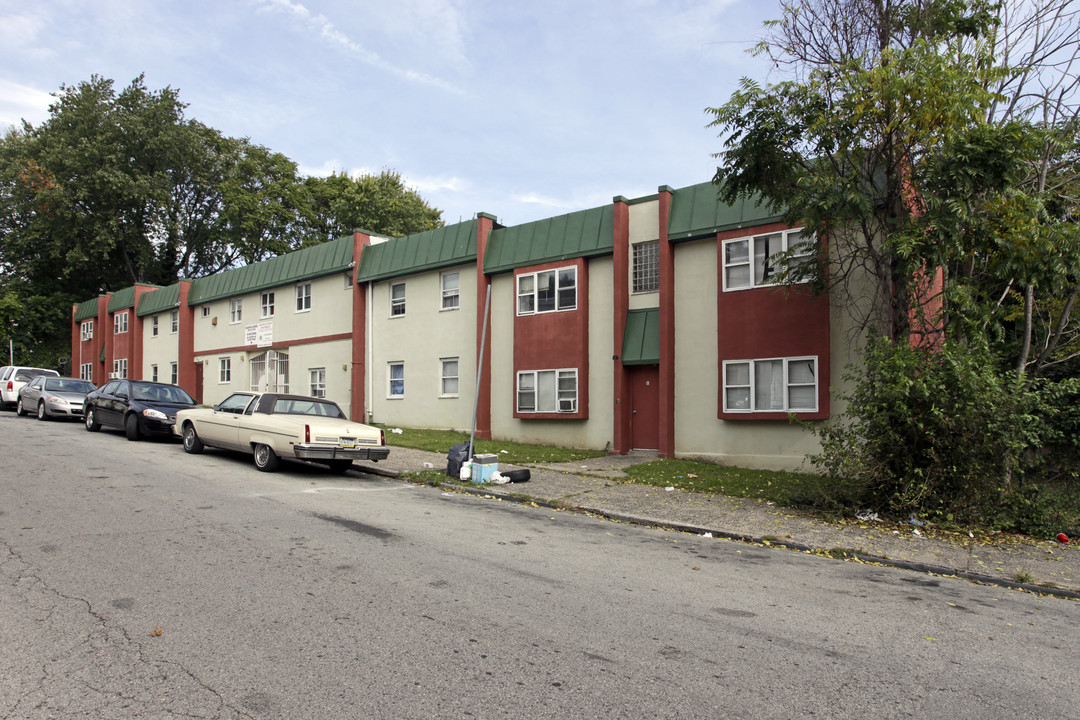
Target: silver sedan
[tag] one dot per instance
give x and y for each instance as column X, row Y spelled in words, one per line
column 50, row 397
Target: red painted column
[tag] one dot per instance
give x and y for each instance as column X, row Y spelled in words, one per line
column 135, row 327
column 667, row 330
column 620, row 301
column 358, row 374
column 485, row 224
column 185, row 352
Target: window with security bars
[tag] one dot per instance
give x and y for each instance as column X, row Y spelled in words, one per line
column 646, row 267
column 270, row 372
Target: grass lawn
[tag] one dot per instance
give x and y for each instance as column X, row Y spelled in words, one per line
column 516, row 453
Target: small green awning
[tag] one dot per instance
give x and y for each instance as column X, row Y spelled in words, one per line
column 641, row 339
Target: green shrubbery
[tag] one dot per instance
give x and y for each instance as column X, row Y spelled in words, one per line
column 945, row 435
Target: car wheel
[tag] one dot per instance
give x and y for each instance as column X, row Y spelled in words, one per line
column 339, row 466
column 91, row 420
column 266, row 459
column 41, row 413
column 192, row 443
column 131, row 427
column 19, row 408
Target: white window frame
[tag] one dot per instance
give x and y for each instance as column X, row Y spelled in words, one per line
column 267, row 304
column 303, row 297
column 560, row 401
column 224, row 371
column 741, row 384
column 153, row 373
column 317, row 382
column 449, row 382
column 154, row 326
column 86, row 372
column 206, row 311
column 120, row 368
column 236, row 311
column 395, row 383
column 746, row 259
column 269, row 371
column 174, row 323
column 645, row 267
column 397, row 304
column 528, row 290
column 451, row 296
column 120, row 323
column 348, row 279
column 86, row 331
column 174, row 373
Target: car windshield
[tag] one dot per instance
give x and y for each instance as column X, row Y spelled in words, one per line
column 29, row 374
column 295, row 406
column 68, row 385
column 148, row 392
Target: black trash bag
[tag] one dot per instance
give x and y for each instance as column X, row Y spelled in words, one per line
column 456, row 458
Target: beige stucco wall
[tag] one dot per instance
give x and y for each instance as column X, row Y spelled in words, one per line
column 597, row 431
column 162, row 350
column 421, row 338
column 644, row 221
column 698, row 432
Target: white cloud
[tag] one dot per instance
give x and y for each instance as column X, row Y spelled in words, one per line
column 332, row 36
column 19, row 102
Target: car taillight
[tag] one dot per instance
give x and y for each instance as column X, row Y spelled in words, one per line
column 10, row 386
column 307, row 433
column 382, row 437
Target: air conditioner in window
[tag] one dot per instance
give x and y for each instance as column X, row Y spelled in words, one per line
column 568, row 406
column 114, row 376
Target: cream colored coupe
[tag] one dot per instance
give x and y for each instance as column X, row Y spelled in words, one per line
column 273, row 427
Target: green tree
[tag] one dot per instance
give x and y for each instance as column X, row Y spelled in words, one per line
column 379, row 204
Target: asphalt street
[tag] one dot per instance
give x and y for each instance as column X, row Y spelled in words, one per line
column 139, row 582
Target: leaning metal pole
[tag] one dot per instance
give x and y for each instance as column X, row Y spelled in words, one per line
column 479, row 370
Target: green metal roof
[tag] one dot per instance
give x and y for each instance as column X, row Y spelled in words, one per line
column 86, row 310
column 429, row 250
column 154, row 302
column 586, row 233
column 641, row 340
column 697, row 212
column 316, row 261
column 122, row 299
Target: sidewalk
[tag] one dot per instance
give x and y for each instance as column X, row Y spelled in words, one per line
column 600, row 486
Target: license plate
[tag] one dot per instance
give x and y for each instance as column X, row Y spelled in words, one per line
column 347, row 442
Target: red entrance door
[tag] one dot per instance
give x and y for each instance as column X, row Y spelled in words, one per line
column 645, row 407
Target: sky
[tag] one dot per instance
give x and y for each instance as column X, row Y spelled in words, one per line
column 522, row 110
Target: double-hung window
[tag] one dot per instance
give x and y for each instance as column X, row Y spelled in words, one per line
column 451, row 290
column 397, row 299
column 174, row 373
column 86, row 372
column 175, row 321
column 772, row 385
column 236, row 310
column 120, row 323
column 396, row 380
column 758, row 261
column 86, row 331
column 268, row 304
column 153, row 373
column 448, row 381
column 547, row 291
column 120, row 368
column 318, row 382
column 547, row 391
column 225, row 370
column 303, row 297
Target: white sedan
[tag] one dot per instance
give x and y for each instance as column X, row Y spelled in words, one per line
column 273, row 426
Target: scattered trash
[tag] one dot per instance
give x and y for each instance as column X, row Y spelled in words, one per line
column 1063, row 538
column 867, row 516
column 397, row 431
column 456, row 457
column 895, row 532
column 505, row 452
column 466, row 470
column 707, row 535
column 497, row 478
column 156, row 632
column 916, row 531
column 916, row 521
column 428, row 465
column 670, row 488
column 691, row 475
column 516, row 476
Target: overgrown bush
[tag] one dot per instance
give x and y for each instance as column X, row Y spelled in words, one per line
column 945, row 435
